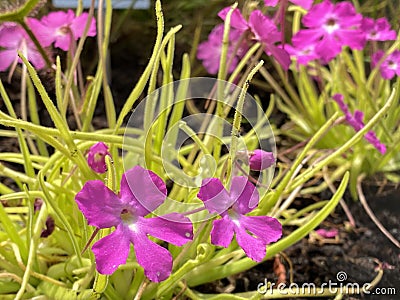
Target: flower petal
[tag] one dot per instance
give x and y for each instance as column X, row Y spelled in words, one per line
column 112, row 251
column 253, row 247
column 244, row 194
column 173, row 228
column 100, row 206
column 7, row 58
column 263, row 227
column 96, row 157
column 222, row 232
column 79, row 23
column 155, row 260
column 237, row 20
column 143, row 190
column 260, row 160
column 216, row 199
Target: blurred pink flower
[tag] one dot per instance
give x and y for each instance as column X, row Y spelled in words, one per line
column 330, row 27
column 13, row 39
column 356, row 121
column 390, row 66
column 304, row 53
column 263, row 30
column 210, row 51
column 327, row 233
column 306, row 4
column 60, row 27
column 378, row 30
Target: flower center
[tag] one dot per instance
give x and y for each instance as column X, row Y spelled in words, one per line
column 127, row 217
column 392, row 65
column 64, row 30
column 331, row 25
column 234, row 216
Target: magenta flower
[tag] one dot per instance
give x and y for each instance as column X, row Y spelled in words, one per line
column 263, row 30
column 327, row 233
column 142, row 191
column 13, row 39
column 261, row 160
column 303, row 53
column 378, row 30
column 253, row 233
column 61, row 27
column 391, row 64
column 331, row 26
column 356, row 121
column 306, row 4
column 97, row 157
column 210, row 51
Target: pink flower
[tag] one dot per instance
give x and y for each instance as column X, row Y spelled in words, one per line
column 331, row 26
column 97, row 157
column 378, row 30
column 253, row 233
column 60, row 27
column 304, row 53
column 356, row 121
column 210, row 51
column 306, row 4
column 142, row 192
column 13, row 39
column 390, row 66
column 327, row 233
column 261, row 160
column 263, row 30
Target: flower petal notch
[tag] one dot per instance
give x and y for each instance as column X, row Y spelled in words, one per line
column 104, row 209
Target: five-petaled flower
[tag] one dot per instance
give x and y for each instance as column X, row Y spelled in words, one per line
column 377, row 30
column 141, row 192
column 253, row 233
column 13, row 39
column 210, row 51
column 390, row 65
column 262, row 29
column 61, row 28
column 97, row 157
column 331, row 26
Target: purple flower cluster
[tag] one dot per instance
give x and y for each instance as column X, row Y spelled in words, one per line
column 60, row 28
column 141, row 192
column 328, row 27
column 258, row 28
column 356, row 121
